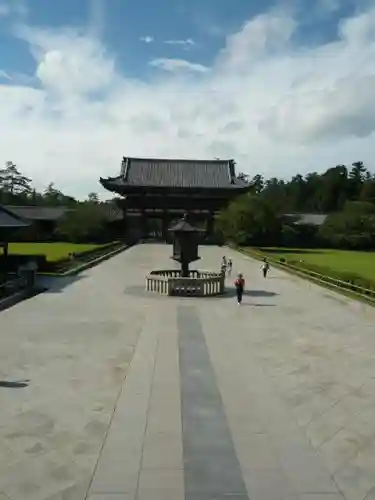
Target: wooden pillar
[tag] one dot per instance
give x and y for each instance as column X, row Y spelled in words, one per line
column 143, row 224
column 165, row 224
column 184, row 269
column 125, row 225
column 5, row 250
column 189, row 216
column 210, row 224
column 4, row 262
column 165, row 218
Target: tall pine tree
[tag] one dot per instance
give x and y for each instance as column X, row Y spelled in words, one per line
column 13, row 184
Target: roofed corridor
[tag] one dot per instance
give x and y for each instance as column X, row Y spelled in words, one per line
column 137, row 396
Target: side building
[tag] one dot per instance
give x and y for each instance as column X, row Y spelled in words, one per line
column 43, row 220
column 156, row 192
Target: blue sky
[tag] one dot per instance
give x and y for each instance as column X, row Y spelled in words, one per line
column 122, row 23
column 272, row 84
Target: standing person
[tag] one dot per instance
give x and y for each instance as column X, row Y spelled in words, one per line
column 224, row 265
column 265, row 267
column 240, row 285
column 230, row 266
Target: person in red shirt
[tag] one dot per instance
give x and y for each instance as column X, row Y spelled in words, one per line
column 240, row 285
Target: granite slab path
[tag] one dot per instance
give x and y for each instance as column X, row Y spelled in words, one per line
column 130, row 395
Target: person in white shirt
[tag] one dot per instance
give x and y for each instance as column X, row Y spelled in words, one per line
column 265, row 267
column 224, row 265
column 229, row 266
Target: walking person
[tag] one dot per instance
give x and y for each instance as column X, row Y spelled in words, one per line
column 240, row 285
column 265, row 267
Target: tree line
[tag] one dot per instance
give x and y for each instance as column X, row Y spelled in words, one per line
column 318, row 193
column 17, row 189
column 263, row 216
column 90, row 220
column 267, row 214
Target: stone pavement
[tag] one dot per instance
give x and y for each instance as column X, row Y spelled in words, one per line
column 137, row 396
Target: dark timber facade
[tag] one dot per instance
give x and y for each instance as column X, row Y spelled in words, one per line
column 156, row 192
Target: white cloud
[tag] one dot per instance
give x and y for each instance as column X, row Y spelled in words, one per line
column 186, row 44
column 276, row 108
column 260, row 39
column 178, row 65
column 4, row 75
column 69, row 64
column 147, row 39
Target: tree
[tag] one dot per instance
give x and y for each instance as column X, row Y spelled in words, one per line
column 312, row 189
column 358, row 172
column 357, row 177
column 13, row 182
column 88, row 222
column 53, row 196
column 359, row 207
column 258, row 183
column 352, row 228
column 334, row 189
column 250, row 219
column 297, row 194
column 241, row 176
column 93, row 198
column 348, row 196
column 35, row 198
column 368, row 191
column 274, row 191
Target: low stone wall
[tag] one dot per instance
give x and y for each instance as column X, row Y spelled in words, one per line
column 82, row 266
column 12, row 292
column 198, row 284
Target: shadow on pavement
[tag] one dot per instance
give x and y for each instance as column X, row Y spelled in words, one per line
column 253, row 304
column 14, row 385
column 258, row 305
column 57, row 284
column 231, row 292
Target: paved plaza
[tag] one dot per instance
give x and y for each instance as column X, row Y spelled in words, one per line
column 135, row 396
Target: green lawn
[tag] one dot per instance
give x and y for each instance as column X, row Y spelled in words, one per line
column 52, row 251
column 360, row 263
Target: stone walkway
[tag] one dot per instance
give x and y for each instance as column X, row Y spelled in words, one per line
column 133, row 396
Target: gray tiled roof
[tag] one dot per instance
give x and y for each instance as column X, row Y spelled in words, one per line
column 177, row 173
column 33, row 213
column 10, row 220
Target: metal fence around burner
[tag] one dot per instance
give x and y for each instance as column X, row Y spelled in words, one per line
column 198, row 284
